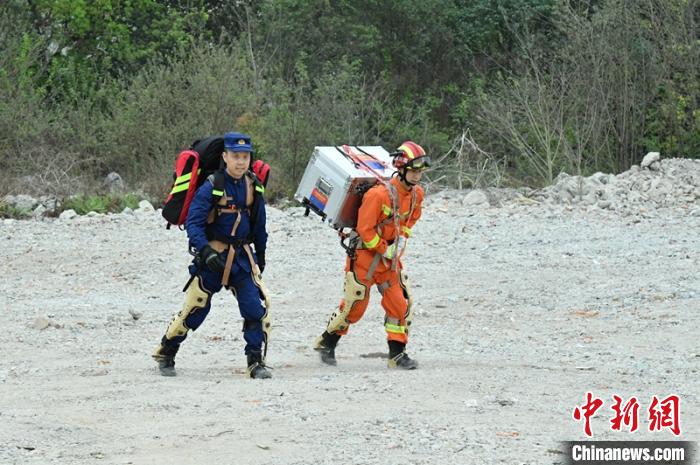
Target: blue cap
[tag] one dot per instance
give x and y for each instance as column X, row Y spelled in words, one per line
column 237, row 142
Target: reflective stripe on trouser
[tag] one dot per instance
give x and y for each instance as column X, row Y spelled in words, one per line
column 393, row 325
column 393, row 300
column 249, row 306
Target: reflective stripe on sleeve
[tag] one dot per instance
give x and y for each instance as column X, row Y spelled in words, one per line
column 373, row 243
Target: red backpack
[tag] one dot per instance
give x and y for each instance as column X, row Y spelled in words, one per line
column 192, row 167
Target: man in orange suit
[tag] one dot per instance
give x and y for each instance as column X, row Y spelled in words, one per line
column 385, row 218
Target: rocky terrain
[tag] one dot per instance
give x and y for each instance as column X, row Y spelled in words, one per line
column 525, row 300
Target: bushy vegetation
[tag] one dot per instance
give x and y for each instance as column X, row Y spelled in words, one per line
column 9, row 211
column 500, row 91
column 109, row 203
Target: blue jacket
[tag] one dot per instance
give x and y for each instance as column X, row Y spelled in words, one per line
column 203, row 202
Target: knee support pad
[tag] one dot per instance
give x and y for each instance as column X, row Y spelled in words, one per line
column 251, row 325
column 405, row 286
column 196, row 298
column 260, row 284
column 263, row 325
column 354, row 291
column 265, row 320
column 266, row 328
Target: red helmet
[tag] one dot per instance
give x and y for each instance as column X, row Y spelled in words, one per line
column 410, row 156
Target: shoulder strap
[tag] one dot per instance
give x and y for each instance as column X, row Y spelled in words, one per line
column 218, row 191
column 249, row 192
column 394, row 200
column 414, row 196
column 258, row 186
column 255, row 191
column 219, row 185
column 394, row 197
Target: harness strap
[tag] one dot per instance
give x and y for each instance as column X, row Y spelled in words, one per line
column 397, row 221
column 394, row 208
column 414, row 196
column 222, row 207
column 373, row 266
column 383, row 286
column 395, row 217
column 248, row 191
column 231, row 254
column 227, row 209
column 253, row 265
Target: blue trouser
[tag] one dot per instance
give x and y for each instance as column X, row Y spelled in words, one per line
column 249, row 304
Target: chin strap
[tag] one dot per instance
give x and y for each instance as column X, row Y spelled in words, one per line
column 402, row 177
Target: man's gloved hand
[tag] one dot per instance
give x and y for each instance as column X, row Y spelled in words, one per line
column 395, row 249
column 213, row 259
column 390, row 251
column 261, row 261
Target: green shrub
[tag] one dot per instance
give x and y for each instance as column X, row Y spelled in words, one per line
column 9, row 211
column 83, row 204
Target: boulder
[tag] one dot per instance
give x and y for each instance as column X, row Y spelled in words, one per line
column 114, row 184
column 650, row 158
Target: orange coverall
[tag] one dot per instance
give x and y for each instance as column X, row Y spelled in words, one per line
column 377, row 229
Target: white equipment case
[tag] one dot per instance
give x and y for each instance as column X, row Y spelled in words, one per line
column 337, row 176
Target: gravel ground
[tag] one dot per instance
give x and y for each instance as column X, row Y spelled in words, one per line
column 521, row 308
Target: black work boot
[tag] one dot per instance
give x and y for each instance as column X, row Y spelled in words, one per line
column 165, row 357
column 256, row 366
column 325, row 345
column 400, row 359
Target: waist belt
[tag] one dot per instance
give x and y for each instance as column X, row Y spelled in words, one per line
column 213, row 235
column 220, row 245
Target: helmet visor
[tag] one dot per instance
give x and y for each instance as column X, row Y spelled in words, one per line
column 419, row 163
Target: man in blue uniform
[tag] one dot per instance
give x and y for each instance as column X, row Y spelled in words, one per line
column 226, row 216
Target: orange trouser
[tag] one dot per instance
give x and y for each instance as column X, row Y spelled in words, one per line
column 393, row 299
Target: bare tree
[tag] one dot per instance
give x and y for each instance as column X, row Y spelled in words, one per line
column 466, row 164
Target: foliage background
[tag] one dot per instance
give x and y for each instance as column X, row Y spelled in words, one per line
column 500, row 91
